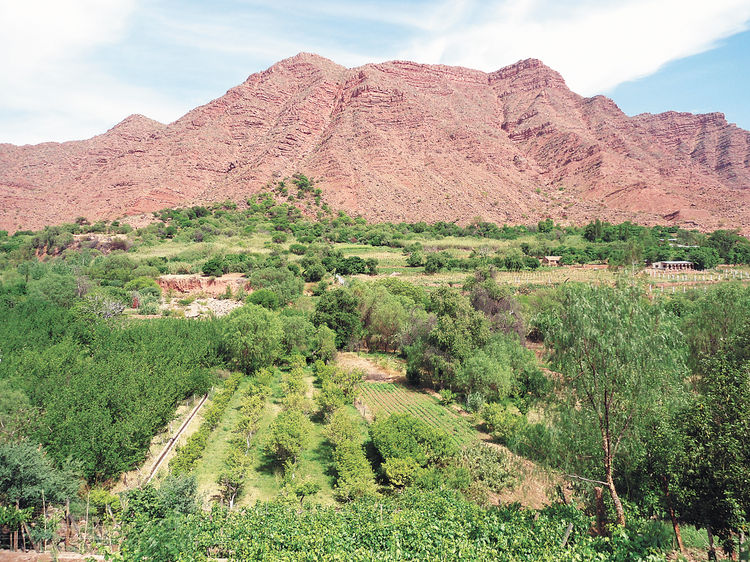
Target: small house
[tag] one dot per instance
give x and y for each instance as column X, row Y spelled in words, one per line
column 673, row 265
column 553, row 261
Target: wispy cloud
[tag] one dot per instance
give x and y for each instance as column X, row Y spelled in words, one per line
column 49, row 87
column 72, row 68
column 595, row 45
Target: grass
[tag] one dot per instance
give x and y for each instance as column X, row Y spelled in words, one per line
column 387, row 398
column 217, row 449
column 265, row 479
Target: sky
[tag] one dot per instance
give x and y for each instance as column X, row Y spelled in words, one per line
column 72, row 69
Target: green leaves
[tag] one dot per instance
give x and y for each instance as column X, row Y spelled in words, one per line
column 290, row 433
column 27, row 475
column 253, row 335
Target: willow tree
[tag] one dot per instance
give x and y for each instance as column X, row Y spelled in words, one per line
column 619, row 358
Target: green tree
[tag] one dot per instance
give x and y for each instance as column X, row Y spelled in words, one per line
column 253, row 335
column 289, row 435
column 704, row 258
column 338, row 309
column 716, row 460
column 214, row 267
column 280, row 280
column 619, row 357
column 265, row 298
column 27, row 476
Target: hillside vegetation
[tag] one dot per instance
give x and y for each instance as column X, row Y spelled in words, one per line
column 636, row 400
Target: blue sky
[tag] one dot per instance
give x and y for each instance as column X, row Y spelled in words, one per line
column 74, row 68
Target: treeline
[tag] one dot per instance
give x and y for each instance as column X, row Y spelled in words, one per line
column 94, row 394
column 619, row 244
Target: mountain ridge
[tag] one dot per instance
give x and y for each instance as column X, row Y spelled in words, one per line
column 399, row 140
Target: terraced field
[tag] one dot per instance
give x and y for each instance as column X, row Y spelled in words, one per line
column 382, row 398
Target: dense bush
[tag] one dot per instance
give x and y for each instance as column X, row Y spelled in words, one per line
column 289, row 435
column 280, row 280
column 103, row 390
column 415, row 525
column 338, row 309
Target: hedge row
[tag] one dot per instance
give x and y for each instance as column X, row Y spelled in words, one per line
column 189, row 453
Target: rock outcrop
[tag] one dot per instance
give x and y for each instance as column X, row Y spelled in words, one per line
column 399, row 141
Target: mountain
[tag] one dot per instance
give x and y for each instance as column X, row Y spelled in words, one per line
column 399, row 141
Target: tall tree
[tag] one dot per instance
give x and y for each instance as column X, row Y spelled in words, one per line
column 716, row 463
column 252, row 335
column 619, row 357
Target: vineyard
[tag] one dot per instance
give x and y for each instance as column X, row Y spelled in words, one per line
column 382, row 399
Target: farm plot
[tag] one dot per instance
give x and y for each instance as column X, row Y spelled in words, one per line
column 381, row 398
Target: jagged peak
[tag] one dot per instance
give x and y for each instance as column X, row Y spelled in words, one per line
column 526, row 66
column 712, row 117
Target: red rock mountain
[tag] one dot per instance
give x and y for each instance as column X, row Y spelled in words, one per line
column 399, row 141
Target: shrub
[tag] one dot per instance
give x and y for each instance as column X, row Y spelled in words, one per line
column 279, row 280
column 474, row 401
column 488, row 465
column 214, row 267
column 325, row 344
column 314, row 272
column 290, row 434
column 447, row 396
column 502, row 420
column 401, row 472
column 415, row 259
column 406, row 437
column 338, row 309
column 297, row 249
column 265, row 298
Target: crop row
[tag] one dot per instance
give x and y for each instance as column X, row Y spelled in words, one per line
column 389, row 398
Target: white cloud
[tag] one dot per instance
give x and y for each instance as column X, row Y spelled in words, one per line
column 52, row 88
column 48, row 88
column 595, row 45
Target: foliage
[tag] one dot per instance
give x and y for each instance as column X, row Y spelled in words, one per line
column 252, row 336
column 620, row 358
column 298, row 335
column 354, row 475
column 401, row 436
column 265, row 298
column 280, row 280
column 187, row 455
column 28, row 477
column 325, row 344
column 290, row 433
column 103, row 391
column 405, row 526
column 338, row 309
column 487, row 465
column 502, row 420
column 714, row 490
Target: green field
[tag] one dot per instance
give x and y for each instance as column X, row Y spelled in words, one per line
column 382, row 399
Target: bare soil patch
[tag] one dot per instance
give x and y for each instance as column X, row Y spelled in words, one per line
column 372, row 370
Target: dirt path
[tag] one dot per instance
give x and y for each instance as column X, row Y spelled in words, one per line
column 174, row 438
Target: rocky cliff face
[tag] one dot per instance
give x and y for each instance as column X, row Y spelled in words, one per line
column 399, row 141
